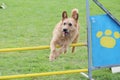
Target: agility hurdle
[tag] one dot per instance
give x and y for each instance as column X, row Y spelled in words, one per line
column 37, row 48
column 40, row 74
column 43, row 74
column 103, row 39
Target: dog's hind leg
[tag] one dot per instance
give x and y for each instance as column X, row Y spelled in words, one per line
column 74, row 41
column 65, row 51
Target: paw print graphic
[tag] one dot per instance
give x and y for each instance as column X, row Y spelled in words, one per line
column 108, row 40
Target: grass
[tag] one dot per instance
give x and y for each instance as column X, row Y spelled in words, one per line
column 30, row 23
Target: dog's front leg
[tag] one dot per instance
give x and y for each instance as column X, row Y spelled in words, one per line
column 62, row 49
column 53, row 51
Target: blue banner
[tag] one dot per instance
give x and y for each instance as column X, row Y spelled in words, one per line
column 105, row 41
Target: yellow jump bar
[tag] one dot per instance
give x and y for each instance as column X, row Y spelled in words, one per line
column 36, row 48
column 43, row 74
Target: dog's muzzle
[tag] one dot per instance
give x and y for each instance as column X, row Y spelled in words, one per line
column 66, row 32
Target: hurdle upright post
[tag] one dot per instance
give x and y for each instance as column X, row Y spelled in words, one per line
column 88, row 39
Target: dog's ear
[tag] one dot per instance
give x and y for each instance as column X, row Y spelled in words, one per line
column 75, row 14
column 64, row 15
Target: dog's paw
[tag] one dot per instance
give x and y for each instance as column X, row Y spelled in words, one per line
column 51, row 57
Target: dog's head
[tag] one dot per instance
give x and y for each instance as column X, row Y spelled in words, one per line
column 69, row 24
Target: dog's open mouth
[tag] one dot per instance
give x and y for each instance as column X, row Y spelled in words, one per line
column 66, row 33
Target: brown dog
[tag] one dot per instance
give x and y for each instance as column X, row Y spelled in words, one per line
column 65, row 33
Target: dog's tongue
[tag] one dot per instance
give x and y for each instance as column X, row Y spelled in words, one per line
column 66, row 33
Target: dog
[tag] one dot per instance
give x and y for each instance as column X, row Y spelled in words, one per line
column 64, row 33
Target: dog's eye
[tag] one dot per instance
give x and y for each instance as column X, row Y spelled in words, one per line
column 70, row 24
column 64, row 23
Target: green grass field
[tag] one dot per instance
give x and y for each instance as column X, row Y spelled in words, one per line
column 27, row 23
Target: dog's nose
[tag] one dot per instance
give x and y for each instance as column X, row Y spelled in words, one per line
column 65, row 30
